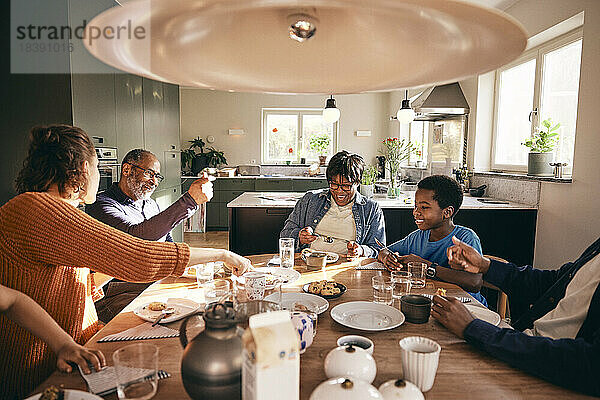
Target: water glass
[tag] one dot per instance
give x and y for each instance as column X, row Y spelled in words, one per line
column 401, row 283
column 382, row 290
column 286, row 252
column 417, row 269
column 205, row 273
column 136, row 367
column 256, row 284
column 216, row 289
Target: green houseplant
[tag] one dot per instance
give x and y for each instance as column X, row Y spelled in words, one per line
column 367, row 183
column 196, row 161
column 395, row 151
column 320, row 144
column 540, row 146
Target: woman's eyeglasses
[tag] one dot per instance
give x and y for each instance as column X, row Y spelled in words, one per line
column 345, row 187
column 148, row 173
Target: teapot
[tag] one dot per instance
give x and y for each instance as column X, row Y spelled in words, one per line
column 211, row 365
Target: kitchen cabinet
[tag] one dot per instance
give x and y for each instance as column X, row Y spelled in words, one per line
column 304, row 185
column 273, row 185
column 164, row 198
column 129, row 113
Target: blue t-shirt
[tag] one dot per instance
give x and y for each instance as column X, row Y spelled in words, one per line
column 418, row 243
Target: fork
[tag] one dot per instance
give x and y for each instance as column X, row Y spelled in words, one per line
column 162, row 374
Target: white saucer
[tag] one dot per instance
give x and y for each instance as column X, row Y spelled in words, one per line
column 367, row 316
column 484, row 314
column 310, row 301
column 183, row 308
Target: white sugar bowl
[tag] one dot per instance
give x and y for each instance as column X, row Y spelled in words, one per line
column 350, row 362
column 400, row 389
column 345, row 389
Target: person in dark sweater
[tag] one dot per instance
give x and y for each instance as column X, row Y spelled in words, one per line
column 557, row 337
column 127, row 206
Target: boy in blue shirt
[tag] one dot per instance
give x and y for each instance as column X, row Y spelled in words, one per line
column 437, row 201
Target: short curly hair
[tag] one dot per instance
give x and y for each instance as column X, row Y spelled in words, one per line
column 348, row 165
column 56, row 155
column 446, row 191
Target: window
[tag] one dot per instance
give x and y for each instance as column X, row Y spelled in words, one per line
column 286, row 135
column 542, row 84
column 418, row 134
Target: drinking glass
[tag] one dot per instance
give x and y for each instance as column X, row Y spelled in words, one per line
column 417, row 269
column 215, row 289
column 136, row 367
column 205, row 273
column 286, row 252
column 402, row 283
column 382, row 289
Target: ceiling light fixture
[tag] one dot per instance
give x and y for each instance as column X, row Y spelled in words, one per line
column 244, row 45
column 405, row 114
column 331, row 113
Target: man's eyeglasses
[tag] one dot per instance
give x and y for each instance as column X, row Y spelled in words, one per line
column 345, row 187
column 148, row 173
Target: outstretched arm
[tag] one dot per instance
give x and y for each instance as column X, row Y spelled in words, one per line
column 31, row 316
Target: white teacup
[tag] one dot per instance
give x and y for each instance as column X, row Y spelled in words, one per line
column 420, row 357
column 255, row 285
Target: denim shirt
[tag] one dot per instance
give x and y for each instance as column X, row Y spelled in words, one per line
column 311, row 208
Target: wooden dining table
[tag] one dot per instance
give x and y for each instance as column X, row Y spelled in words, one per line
column 463, row 373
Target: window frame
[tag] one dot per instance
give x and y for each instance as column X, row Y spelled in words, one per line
column 299, row 112
column 538, row 54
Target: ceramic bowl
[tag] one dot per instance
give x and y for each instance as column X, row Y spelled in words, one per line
column 345, row 389
column 416, row 308
column 357, row 341
column 400, row 389
column 350, row 362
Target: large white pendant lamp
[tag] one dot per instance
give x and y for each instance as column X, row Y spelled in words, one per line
column 405, row 114
column 331, row 113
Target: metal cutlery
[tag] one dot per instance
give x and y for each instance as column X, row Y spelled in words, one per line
column 461, row 298
column 160, row 373
column 164, row 313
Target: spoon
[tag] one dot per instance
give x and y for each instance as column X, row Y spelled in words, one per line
column 164, row 313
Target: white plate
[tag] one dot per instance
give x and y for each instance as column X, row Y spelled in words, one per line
column 331, row 256
column 288, row 275
column 484, row 314
column 183, row 308
column 367, row 316
column 311, row 301
column 71, row 394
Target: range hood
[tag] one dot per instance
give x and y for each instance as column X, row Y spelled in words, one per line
column 440, row 102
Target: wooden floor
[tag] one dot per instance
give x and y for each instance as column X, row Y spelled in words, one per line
column 217, row 239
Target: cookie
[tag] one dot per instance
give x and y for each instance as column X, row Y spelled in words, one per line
column 156, row 306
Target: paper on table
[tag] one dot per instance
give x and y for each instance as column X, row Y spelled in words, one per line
column 143, row 331
column 375, row 265
column 105, row 381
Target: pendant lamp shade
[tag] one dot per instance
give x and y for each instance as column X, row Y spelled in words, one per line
column 287, row 46
column 405, row 114
column 331, row 113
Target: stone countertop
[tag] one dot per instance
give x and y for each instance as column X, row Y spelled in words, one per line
column 261, row 177
column 406, row 200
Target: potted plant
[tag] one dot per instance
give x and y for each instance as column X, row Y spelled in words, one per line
column 367, row 183
column 395, row 151
column 320, row 144
column 197, row 161
column 540, row 149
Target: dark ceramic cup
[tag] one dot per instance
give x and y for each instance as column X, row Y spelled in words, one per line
column 416, row 308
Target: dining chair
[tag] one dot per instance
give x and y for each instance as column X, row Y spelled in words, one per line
column 502, row 301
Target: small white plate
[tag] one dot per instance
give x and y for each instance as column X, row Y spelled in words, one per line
column 71, row 394
column 310, row 301
column 183, row 308
column 287, row 275
column 331, row 256
column 484, row 314
column 367, row 316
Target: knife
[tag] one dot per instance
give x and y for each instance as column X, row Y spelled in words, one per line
column 161, row 374
column 164, row 313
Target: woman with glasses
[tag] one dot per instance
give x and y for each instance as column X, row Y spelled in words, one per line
column 347, row 225
column 47, row 247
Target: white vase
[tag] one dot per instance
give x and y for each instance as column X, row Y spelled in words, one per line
column 367, row 190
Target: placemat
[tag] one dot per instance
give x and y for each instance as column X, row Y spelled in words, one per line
column 140, row 332
column 375, row 265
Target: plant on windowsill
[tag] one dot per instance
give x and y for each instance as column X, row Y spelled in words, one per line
column 197, row 161
column 367, row 183
column 320, row 144
column 540, row 148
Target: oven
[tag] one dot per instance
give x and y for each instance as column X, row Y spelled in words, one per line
column 108, row 166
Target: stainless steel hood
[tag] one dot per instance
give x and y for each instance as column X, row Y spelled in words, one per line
column 440, row 102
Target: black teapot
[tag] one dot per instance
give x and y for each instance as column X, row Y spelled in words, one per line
column 211, row 366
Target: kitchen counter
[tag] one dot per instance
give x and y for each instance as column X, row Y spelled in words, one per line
column 261, row 177
column 405, row 201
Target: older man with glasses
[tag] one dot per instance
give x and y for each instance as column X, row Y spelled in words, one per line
column 350, row 224
column 127, row 206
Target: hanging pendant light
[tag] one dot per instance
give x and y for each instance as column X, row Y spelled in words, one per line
column 405, row 114
column 331, row 113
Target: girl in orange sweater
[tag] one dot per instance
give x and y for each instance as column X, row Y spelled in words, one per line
column 47, row 247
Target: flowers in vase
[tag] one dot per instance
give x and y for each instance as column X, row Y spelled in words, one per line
column 395, row 151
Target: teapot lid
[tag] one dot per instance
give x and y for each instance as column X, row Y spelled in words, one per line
column 220, row 316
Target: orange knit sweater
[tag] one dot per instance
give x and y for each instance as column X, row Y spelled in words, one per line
column 46, row 247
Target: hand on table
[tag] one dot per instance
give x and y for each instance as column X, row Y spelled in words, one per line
column 354, row 250
column 463, row 257
column 306, row 235
column 390, row 260
column 236, row 263
column 71, row 352
column 451, row 313
column 202, row 189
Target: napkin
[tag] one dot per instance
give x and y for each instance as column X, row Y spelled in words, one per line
column 375, row 265
column 104, row 382
column 143, row 331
